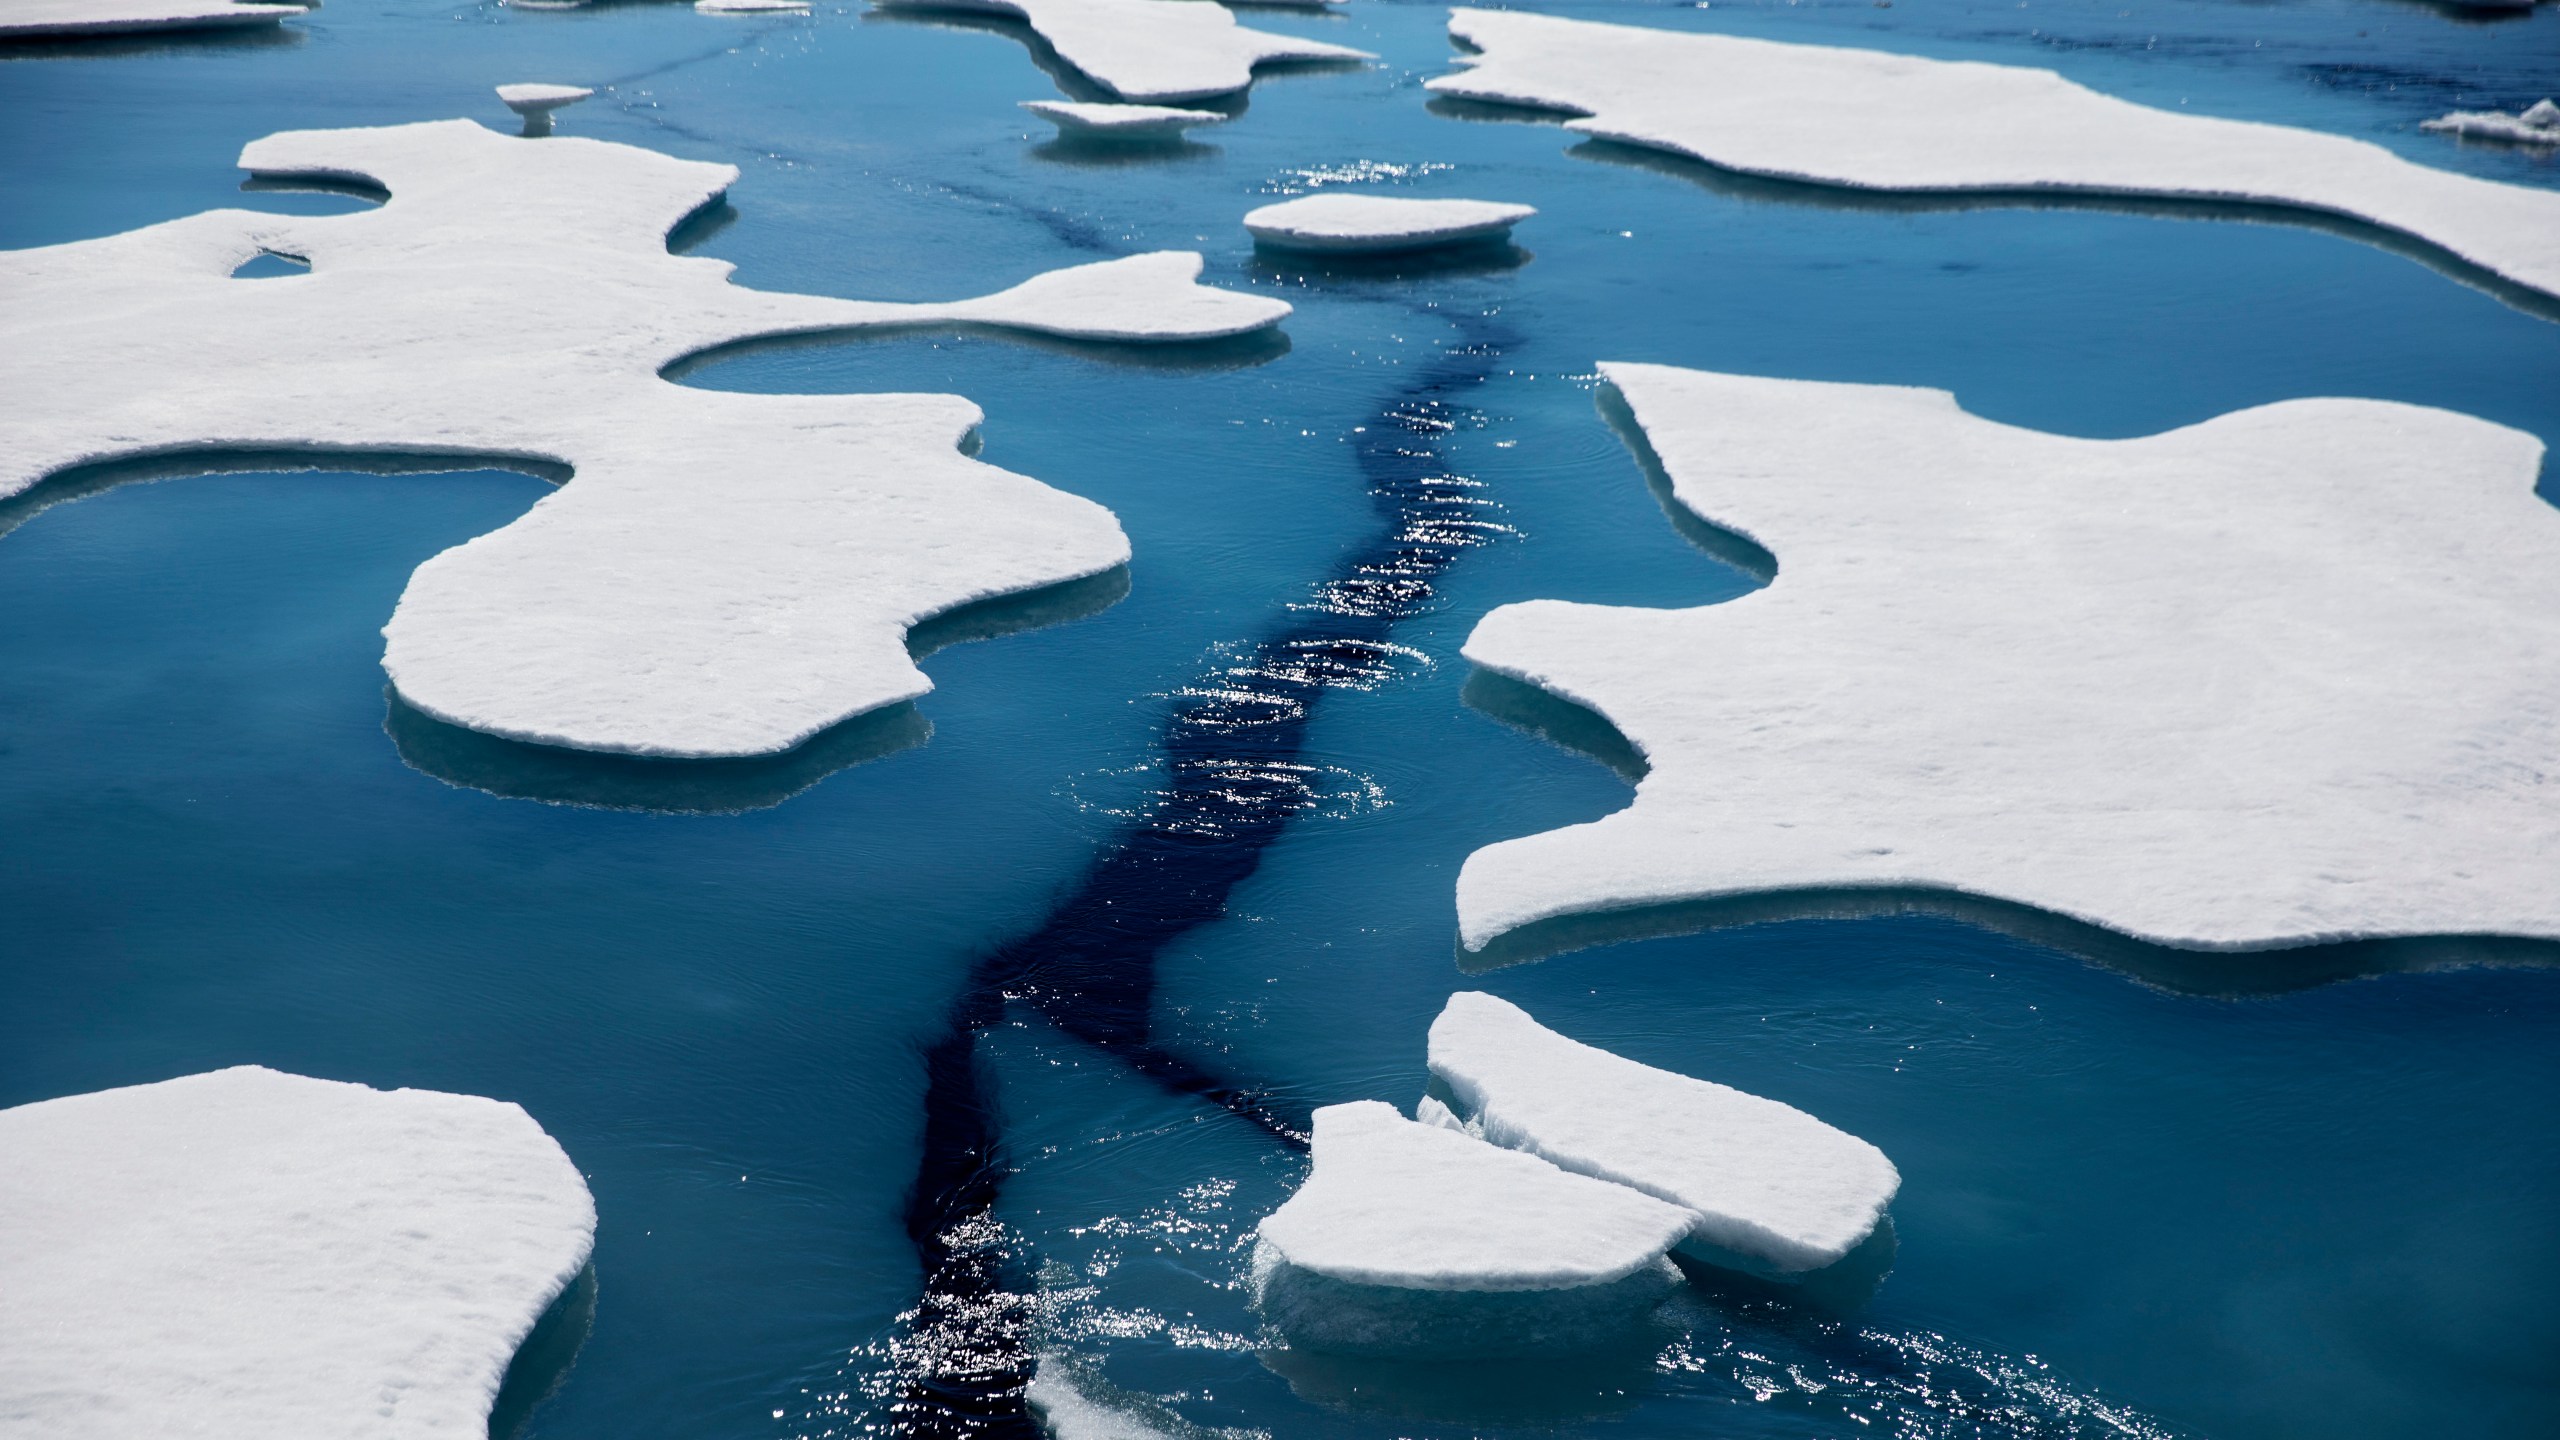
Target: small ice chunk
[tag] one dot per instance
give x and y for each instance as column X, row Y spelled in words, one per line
column 81, row 19
column 1123, row 122
column 535, row 99
column 1761, row 1181
column 1376, row 224
column 751, row 7
column 1429, row 1111
column 2538, row 125
column 248, row 1252
column 2542, row 112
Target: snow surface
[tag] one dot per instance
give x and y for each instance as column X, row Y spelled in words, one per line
column 538, row 99
column 2538, row 125
column 1150, row 50
column 1378, row 223
column 1761, row 1181
column 1134, row 122
column 1870, row 120
column 72, row 19
column 727, row 575
column 2289, row 675
column 248, row 1254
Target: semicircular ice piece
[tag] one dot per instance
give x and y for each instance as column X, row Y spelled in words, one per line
column 725, row 575
column 2284, row 677
column 1152, row 51
column 1380, row 224
column 1871, row 120
column 249, row 1253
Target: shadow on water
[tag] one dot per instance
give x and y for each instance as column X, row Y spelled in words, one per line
column 1485, row 257
column 1109, row 152
column 542, row 1362
column 1731, row 547
column 214, row 40
column 1233, row 352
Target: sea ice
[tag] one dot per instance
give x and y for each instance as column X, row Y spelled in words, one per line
column 727, row 575
column 79, row 19
column 1764, row 1183
column 1375, row 224
column 532, row 99
column 1158, row 51
column 2287, row 676
column 752, row 7
column 2538, row 125
column 1125, row 122
column 1870, row 120
column 247, row 1254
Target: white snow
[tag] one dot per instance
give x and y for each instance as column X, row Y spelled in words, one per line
column 538, row 99
column 1159, row 51
column 1761, row 1180
column 2285, row 676
column 1338, row 221
column 1871, row 120
column 2538, row 125
column 248, row 1254
column 73, row 19
column 726, row 575
column 1135, row 122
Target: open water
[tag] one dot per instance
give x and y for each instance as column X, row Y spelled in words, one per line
column 900, row 1061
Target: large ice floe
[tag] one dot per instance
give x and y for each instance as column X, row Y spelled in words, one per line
column 1343, row 223
column 726, row 575
column 250, row 1254
column 82, row 19
column 1159, row 51
column 1870, row 120
column 2287, row 676
column 1415, row 1239
column 1766, row 1186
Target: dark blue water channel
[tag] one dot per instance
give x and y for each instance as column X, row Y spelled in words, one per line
column 745, row 1001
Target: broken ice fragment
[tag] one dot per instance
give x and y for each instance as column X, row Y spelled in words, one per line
column 1124, row 122
column 2538, row 125
column 1380, row 224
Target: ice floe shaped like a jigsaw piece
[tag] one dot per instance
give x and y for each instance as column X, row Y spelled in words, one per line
column 1767, row 1186
column 1156, row 51
column 1871, row 120
column 2287, row 676
column 727, row 574
column 249, row 1253
column 1414, row 1239
column 85, row 19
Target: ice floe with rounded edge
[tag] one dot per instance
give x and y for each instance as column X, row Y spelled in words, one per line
column 1415, row 1239
column 531, row 98
column 1158, row 51
column 1871, row 120
column 728, row 574
column 1126, row 122
column 1765, row 1184
column 2539, row 124
column 2286, row 676
column 247, row 1253
column 78, row 19
column 1377, row 224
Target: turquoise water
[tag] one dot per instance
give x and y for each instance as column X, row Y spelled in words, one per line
column 2128, row 1207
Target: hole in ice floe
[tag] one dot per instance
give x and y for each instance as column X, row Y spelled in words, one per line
column 362, row 190
column 1235, row 352
column 1003, row 615
column 542, row 1362
column 269, row 265
column 1556, row 720
column 514, row 770
column 1733, row 548
column 81, row 481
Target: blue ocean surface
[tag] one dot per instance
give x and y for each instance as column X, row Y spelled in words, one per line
column 985, row 1020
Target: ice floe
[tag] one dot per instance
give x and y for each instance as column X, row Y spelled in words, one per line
column 1870, row 120
column 752, row 7
column 728, row 574
column 249, row 1253
column 532, row 99
column 2286, row 676
column 1377, row 224
column 1766, row 1184
column 76, row 19
column 1123, row 122
column 1160, row 51
column 1415, row 1239
column 2539, row 124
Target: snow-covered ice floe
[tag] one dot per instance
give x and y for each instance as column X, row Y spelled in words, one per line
column 530, row 99
column 2286, row 676
column 1415, row 1239
column 1380, row 224
column 728, row 574
column 1870, row 120
column 2539, row 124
column 1158, row 51
column 78, row 19
column 248, row 1254
column 1766, row 1185
column 1120, row 122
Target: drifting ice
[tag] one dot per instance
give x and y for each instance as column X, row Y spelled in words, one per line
column 1869, row 120
column 1377, row 224
column 2278, row 678
column 1762, row 1182
column 1160, row 51
column 2538, row 125
column 1126, row 122
column 727, row 575
column 247, row 1254
column 532, row 99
